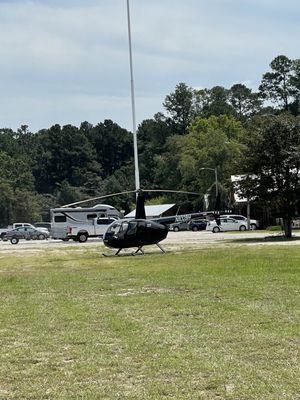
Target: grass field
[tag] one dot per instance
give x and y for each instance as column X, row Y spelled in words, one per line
column 210, row 324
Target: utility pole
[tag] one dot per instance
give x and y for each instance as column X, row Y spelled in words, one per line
column 135, row 148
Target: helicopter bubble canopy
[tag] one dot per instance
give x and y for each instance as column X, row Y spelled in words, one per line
column 118, row 227
column 114, row 228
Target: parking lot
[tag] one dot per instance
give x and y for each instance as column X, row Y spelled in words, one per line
column 175, row 241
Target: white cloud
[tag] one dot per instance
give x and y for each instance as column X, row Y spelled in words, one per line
column 69, row 60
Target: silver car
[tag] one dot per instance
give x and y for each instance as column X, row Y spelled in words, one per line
column 25, row 233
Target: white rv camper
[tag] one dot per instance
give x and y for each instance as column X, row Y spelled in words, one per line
column 80, row 223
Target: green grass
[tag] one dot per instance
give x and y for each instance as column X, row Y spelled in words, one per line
column 210, row 324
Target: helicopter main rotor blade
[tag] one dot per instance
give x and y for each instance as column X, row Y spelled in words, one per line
column 171, row 191
column 128, row 192
column 98, row 198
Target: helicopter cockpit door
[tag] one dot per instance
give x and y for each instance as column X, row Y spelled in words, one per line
column 131, row 229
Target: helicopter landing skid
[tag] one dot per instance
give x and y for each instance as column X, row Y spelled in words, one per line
column 161, row 248
column 140, row 249
column 135, row 253
column 110, row 255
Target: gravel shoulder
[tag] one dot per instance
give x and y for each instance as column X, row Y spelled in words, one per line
column 176, row 241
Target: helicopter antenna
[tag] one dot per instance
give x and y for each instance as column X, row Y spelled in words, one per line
column 135, row 148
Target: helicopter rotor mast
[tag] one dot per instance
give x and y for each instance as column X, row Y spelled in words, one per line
column 135, row 147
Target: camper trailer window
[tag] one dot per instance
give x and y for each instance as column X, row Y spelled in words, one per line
column 60, row 218
column 91, row 216
column 104, row 221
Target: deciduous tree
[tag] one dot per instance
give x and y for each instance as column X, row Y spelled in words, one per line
column 270, row 165
column 277, row 85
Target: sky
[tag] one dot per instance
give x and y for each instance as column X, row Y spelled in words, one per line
column 66, row 61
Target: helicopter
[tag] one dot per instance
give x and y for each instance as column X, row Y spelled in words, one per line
column 140, row 232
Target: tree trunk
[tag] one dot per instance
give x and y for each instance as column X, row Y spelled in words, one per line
column 287, row 225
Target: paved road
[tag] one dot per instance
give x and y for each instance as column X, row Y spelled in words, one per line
column 174, row 241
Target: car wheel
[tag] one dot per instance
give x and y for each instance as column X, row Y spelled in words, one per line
column 82, row 237
column 41, row 237
column 176, row 229
column 195, row 228
column 243, row 228
column 216, row 229
column 14, row 240
column 253, row 227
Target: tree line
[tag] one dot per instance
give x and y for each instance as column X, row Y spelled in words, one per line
column 227, row 128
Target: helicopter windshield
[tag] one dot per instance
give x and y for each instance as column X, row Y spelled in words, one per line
column 114, row 228
column 118, row 227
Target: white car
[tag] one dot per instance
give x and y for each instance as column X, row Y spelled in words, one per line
column 226, row 224
column 254, row 224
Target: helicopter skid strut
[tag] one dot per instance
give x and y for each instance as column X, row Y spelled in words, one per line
column 140, row 249
column 161, row 248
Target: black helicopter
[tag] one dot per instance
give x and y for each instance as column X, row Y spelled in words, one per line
column 140, row 232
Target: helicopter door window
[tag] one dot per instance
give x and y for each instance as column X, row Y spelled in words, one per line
column 132, row 228
column 124, row 227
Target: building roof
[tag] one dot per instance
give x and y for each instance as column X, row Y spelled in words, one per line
column 153, row 211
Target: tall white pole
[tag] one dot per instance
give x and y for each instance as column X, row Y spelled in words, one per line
column 216, row 178
column 135, row 148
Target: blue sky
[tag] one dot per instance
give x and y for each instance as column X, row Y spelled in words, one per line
column 66, row 61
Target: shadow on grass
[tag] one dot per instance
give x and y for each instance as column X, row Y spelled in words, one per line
column 266, row 239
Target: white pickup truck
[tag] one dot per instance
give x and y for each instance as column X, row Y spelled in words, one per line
column 80, row 232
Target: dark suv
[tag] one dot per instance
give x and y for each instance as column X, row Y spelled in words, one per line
column 197, row 225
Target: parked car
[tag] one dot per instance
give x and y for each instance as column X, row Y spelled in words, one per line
column 197, row 225
column 179, row 226
column 226, row 224
column 26, row 225
column 254, row 224
column 15, row 235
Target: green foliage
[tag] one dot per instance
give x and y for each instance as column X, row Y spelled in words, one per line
column 111, row 143
column 156, row 201
column 211, row 143
column 270, row 163
column 244, row 101
column 152, row 137
column 67, row 194
column 65, row 154
column 16, row 172
column 18, row 205
column 279, row 85
column 180, row 105
column 214, row 101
